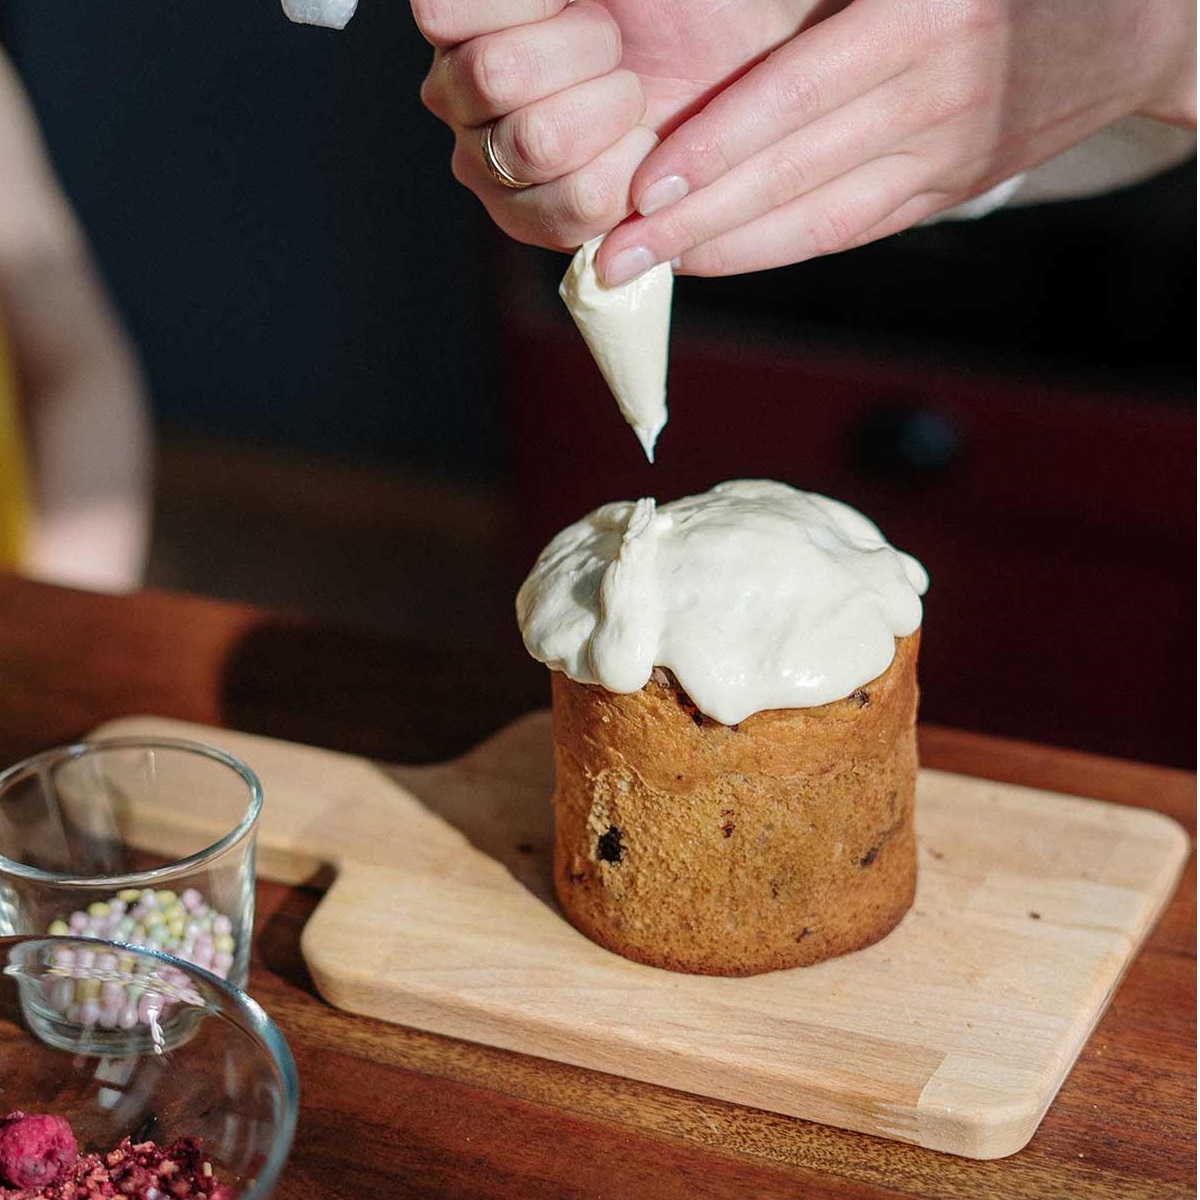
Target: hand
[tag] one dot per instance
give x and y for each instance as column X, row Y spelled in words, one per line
column 888, row 112
column 788, row 132
column 580, row 93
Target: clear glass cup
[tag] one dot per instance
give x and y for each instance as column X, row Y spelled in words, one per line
column 231, row 1083
column 139, row 841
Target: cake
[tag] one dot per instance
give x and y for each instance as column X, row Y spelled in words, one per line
column 734, row 701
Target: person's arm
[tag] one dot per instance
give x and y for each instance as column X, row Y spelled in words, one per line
column 888, row 113
column 789, row 128
column 81, row 391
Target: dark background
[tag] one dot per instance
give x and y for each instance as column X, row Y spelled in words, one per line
column 274, row 215
column 1011, row 399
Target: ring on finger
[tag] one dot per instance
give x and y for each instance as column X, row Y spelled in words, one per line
column 496, row 169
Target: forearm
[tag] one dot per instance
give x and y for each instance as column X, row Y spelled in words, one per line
column 81, row 393
column 87, row 426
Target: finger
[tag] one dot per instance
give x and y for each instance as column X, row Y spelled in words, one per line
column 555, row 136
column 867, row 128
column 839, row 216
column 496, row 74
column 565, row 213
column 446, row 23
column 821, row 70
column 911, row 212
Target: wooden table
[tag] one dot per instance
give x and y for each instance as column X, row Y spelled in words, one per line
column 391, row 1112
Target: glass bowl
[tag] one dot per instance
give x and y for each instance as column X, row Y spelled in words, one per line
column 206, row 1061
column 146, row 841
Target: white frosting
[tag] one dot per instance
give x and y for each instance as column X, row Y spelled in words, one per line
column 627, row 329
column 754, row 594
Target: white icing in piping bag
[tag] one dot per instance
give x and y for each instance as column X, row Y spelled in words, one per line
column 627, row 329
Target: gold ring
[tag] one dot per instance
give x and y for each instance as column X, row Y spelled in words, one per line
column 496, row 169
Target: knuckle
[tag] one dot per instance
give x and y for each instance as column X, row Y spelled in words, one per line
column 496, row 69
column 953, row 20
column 538, row 142
column 713, row 259
column 433, row 93
column 834, row 229
column 784, row 177
column 554, row 234
column 517, row 220
column 723, row 262
column 978, row 18
column 959, row 93
column 462, row 166
column 795, row 97
column 587, row 201
column 555, row 227
column 677, row 231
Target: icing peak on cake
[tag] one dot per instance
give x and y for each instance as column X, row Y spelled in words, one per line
column 754, row 594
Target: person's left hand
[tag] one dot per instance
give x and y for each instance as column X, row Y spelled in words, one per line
column 888, row 112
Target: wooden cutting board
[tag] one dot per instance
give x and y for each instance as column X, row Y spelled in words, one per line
column 954, row 1033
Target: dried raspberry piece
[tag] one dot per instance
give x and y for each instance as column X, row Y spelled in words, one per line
column 141, row 1171
column 35, row 1149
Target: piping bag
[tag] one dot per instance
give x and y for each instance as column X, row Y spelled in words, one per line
column 627, row 328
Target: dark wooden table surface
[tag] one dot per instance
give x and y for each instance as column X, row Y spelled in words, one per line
column 392, row 1112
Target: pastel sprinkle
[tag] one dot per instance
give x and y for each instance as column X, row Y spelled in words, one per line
column 103, row 989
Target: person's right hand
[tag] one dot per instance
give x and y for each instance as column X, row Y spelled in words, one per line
column 580, row 93
column 567, row 115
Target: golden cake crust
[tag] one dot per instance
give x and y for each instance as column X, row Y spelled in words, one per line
column 731, row 850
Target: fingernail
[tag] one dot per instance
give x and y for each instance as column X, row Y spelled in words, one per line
column 662, row 192
column 627, row 265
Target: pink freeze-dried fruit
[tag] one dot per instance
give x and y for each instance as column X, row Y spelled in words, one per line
column 35, row 1149
column 141, row 1171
